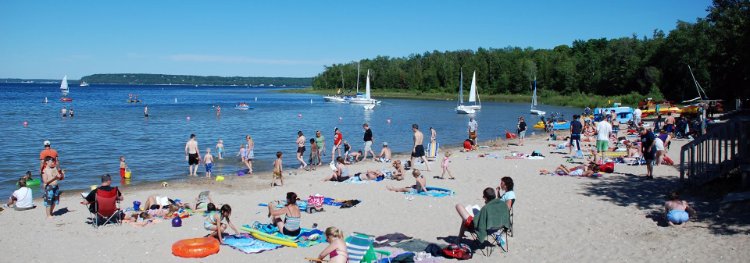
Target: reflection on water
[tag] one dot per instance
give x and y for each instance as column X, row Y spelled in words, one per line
column 106, row 126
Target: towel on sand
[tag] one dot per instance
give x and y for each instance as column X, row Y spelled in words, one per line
column 248, row 244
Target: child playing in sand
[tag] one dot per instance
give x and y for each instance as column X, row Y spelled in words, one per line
column 420, row 186
column 213, row 222
column 220, row 149
column 677, row 212
column 208, row 159
column 398, row 172
column 123, row 167
column 278, row 170
column 314, row 154
column 446, row 161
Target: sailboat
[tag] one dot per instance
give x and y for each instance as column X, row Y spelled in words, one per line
column 366, row 99
column 461, row 108
column 45, row 100
column 337, row 98
column 86, row 84
column 473, row 94
column 65, row 90
column 534, row 111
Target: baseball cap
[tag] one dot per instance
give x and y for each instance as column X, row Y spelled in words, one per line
column 46, row 143
column 385, row 144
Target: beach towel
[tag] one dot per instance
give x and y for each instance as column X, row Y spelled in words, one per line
column 390, row 239
column 433, row 150
column 433, row 192
column 355, row 180
column 302, row 204
column 248, row 244
column 307, row 237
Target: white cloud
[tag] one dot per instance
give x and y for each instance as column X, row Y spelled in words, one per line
column 242, row 60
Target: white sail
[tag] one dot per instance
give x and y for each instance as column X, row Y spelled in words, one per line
column 533, row 98
column 473, row 90
column 367, row 85
column 64, row 86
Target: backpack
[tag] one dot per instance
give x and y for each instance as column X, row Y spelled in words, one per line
column 461, row 252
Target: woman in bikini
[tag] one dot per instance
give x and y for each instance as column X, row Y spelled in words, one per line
column 336, row 249
column 290, row 226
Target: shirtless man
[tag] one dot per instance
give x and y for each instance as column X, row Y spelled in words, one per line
column 433, row 136
column 385, row 154
column 418, row 149
column 669, row 123
column 192, row 155
column 50, row 177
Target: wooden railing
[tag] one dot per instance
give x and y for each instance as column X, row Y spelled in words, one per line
column 724, row 147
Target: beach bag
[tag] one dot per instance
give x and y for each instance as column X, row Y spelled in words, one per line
column 315, row 201
column 461, row 252
column 607, row 167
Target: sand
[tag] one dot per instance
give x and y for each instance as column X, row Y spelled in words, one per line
column 557, row 219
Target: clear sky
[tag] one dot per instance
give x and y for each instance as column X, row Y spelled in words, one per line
column 48, row 39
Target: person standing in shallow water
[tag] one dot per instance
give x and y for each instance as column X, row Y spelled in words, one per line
column 418, row 149
column 473, row 127
column 192, row 155
column 301, row 150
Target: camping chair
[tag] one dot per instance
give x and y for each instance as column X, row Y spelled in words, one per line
column 496, row 236
column 105, row 208
column 512, row 204
column 359, row 249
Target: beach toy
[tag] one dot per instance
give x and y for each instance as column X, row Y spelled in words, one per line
column 93, row 187
column 137, row 205
column 219, row 178
column 260, row 235
column 176, row 221
column 127, row 174
column 196, row 247
column 32, row 183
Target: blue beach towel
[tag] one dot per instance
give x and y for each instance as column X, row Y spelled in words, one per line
column 433, row 192
column 248, row 244
column 308, row 237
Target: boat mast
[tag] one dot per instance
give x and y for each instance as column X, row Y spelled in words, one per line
column 461, row 88
column 358, row 77
column 697, row 85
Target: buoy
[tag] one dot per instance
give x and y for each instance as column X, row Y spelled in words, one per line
column 25, row 124
column 219, row 178
column 388, row 121
column 188, row 118
column 299, row 115
column 340, row 118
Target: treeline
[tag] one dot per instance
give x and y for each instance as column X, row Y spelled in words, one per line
column 716, row 47
column 151, row 79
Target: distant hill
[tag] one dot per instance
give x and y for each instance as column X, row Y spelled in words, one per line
column 153, row 79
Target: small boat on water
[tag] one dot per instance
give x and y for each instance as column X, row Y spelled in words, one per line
column 533, row 110
column 364, row 99
column 65, row 90
column 336, row 99
column 461, row 108
column 242, row 106
column 45, row 100
column 84, row 84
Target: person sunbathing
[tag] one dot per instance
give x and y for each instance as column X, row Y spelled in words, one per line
column 419, row 187
column 580, row 170
column 336, row 249
column 290, row 225
column 141, row 219
column 371, row 175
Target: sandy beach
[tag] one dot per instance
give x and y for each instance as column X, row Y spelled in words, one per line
column 614, row 218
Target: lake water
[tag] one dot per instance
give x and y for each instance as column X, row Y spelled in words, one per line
column 105, row 127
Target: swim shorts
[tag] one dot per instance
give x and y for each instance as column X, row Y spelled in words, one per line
column 193, row 159
column 472, row 135
column 677, row 216
column 602, row 145
column 301, row 149
column 522, row 134
column 418, row 151
column 51, row 195
column 122, row 173
column 368, row 146
column 209, row 167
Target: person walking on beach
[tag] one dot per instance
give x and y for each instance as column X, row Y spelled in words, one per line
column 418, row 149
column 521, row 130
column 314, row 154
column 220, row 149
column 278, row 170
column 338, row 138
column 603, row 129
column 301, row 149
column 576, row 128
column 648, row 140
column 368, row 142
column 473, row 126
column 208, row 160
column 320, row 140
column 192, row 155
column 50, row 177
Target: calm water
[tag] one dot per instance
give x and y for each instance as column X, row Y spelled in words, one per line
column 105, row 127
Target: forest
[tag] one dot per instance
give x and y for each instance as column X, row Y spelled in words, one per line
column 716, row 47
column 150, row 79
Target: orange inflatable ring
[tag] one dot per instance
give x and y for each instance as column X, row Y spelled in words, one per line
column 196, row 247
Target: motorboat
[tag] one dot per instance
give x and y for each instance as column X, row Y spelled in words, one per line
column 242, row 106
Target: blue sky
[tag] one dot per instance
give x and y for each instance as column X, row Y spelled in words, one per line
column 48, row 39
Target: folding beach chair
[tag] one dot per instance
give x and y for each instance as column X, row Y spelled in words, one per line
column 105, row 208
column 512, row 204
column 359, row 248
column 497, row 235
